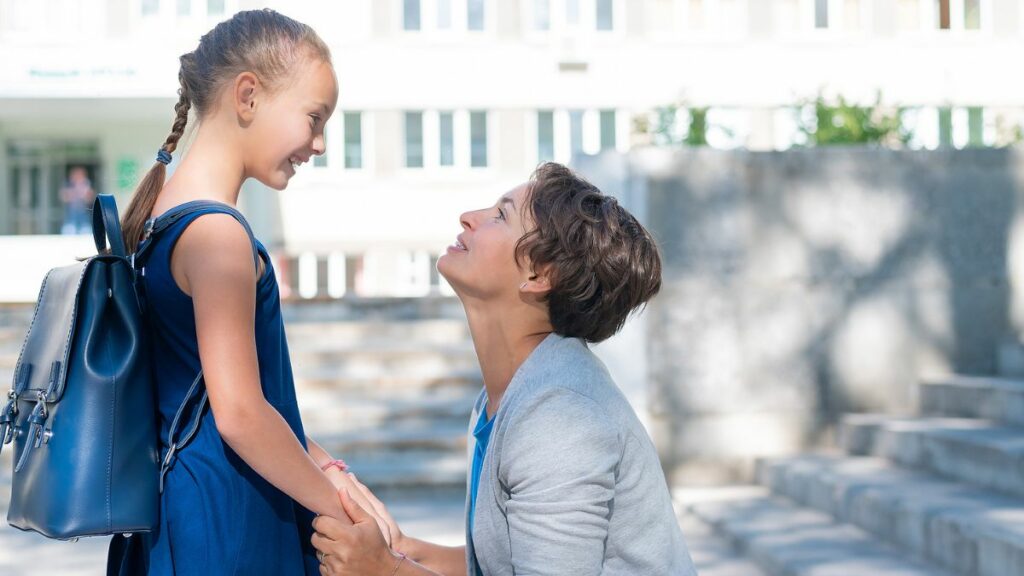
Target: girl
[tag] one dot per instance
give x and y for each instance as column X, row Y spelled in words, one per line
column 564, row 478
column 241, row 493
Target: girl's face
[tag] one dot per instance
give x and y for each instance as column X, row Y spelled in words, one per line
column 287, row 129
column 481, row 263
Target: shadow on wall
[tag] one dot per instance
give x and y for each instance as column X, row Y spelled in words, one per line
column 803, row 284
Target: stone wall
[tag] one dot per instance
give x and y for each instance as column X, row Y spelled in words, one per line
column 802, row 284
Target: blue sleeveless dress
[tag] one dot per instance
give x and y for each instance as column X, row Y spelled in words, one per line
column 217, row 515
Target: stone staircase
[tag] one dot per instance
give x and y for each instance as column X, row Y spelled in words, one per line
column 386, row 385
column 938, row 493
column 388, row 394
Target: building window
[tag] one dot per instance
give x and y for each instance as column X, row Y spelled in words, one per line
column 695, row 16
column 605, row 15
column 353, row 139
column 446, row 132
column 215, row 7
column 972, row 14
column 150, row 7
column 545, row 136
column 320, row 160
column 821, row 14
column 414, row 139
column 945, row 127
column 411, row 15
column 975, row 127
column 444, row 14
column 942, row 12
column 542, row 14
column 575, row 132
column 607, row 129
column 572, row 12
column 475, row 14
column 478, row 139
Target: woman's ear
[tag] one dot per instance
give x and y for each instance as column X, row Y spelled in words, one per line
column 538, row 283
column 247, row 89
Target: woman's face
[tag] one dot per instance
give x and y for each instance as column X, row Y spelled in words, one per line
column 481, row 262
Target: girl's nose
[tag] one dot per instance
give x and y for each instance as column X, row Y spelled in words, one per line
column 319, row 144
column 466, row 219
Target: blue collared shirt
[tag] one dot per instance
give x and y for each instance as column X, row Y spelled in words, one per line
column 482, row 434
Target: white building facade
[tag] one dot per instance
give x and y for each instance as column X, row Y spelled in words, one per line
column 444, row 104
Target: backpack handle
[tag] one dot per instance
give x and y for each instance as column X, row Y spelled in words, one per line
column 106, row 225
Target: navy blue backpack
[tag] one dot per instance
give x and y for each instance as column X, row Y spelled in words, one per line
column 81, row 412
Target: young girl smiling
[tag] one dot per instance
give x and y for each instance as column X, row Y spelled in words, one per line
column 241, row 494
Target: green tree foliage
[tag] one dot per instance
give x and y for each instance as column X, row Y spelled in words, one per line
column 674, row 125
column 840, row 122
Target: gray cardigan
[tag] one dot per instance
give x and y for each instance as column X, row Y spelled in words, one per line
column 571, row 483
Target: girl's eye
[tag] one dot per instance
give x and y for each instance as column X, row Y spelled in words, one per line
column 501, row 215
column 316, row 119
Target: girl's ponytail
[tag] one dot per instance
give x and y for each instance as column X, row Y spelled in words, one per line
column 141, row 205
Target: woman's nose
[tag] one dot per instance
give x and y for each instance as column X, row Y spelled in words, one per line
column 466, row 219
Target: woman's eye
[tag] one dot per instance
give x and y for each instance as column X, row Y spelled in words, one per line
column 315, row 119
column 501, row 215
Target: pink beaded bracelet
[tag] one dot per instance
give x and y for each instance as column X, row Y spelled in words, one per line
column 399, row 564
column 339, row 464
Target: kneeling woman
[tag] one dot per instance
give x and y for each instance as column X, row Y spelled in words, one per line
column 564, row 478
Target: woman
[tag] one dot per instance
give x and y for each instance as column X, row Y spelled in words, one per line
column 564, row 478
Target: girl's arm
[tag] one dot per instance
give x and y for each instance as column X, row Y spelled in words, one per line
column 340, row 479
column 213, row 263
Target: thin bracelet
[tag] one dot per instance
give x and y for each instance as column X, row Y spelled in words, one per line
column 339, row 464
column 399, row 565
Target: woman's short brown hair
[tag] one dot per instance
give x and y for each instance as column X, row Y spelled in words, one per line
column 602, row 264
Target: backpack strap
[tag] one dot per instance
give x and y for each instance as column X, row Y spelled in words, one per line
column 154, row 227
column 105, row 224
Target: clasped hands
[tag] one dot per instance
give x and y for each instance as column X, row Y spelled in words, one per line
column 367, row 543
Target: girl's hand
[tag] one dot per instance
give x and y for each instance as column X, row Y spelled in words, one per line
column 358, row 550
column 346, row 481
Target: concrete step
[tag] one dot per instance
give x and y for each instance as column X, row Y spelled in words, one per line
column 357, row 409
column 787, row 540
column 419, row 470
column 384, row 361
column 711, row 554
column 979, row 452
column 388, row 309
column 354, row 332
column 439, row 382
column 393, row 440
column 966, row 530
column 998, row 399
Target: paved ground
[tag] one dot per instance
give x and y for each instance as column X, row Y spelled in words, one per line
column 28, row 554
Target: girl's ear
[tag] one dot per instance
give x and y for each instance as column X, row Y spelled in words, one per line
column 247, row 89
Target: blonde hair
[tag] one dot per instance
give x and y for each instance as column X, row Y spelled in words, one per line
column 264, row 42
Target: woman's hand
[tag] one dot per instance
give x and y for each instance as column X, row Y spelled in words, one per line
column 396, row 538
column 358, row 549
column 365, row 500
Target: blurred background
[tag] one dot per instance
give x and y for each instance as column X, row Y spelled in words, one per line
column 830, row 373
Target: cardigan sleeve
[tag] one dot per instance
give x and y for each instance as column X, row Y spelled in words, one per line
column 558, row 464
